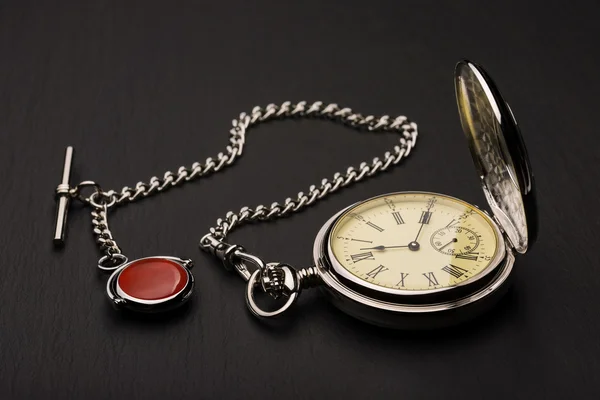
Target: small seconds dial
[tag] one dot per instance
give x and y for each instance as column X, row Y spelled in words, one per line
column 454, row 240
column 413, row 241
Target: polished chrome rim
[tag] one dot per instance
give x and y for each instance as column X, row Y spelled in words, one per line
column 335, row 268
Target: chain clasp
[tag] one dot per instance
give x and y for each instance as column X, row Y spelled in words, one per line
column 63, row 198
column 98, row 199
column 277, row 280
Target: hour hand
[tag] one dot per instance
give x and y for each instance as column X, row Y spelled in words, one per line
column 374, row 248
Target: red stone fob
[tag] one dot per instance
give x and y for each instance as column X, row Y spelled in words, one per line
column 151, row 284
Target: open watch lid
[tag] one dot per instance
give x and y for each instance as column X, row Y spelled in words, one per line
column 499, row 154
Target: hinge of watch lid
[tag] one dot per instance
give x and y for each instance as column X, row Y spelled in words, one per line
column 504, row 235
column 499, row 225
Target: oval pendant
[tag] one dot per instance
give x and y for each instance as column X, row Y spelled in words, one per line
column 151, row 284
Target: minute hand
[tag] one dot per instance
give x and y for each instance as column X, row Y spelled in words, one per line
column 418, row 233
column 423, row 220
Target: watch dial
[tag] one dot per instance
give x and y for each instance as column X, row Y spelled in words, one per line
column 414, row 241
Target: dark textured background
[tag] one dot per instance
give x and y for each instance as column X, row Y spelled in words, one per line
column 142, row 87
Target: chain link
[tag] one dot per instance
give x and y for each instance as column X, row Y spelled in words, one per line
column 103, row 235
column 400, row 124
column 184, row 174
column 102, row 200
column 287, row 109
column 280, row 280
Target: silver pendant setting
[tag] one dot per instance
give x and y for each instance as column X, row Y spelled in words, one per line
column 149, row 285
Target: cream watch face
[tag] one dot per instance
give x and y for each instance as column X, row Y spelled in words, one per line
column 414, row 241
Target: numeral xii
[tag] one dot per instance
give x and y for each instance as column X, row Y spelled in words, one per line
column 425, row 217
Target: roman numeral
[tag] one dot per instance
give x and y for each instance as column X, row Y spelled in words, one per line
column 469, row 256
column 455, row 271
column 359, row 240
column 372, row 225
column 373, row 274
column 398, row 217
column 362, row 256
column 425, row 217
column 402, row 277
column 431, row 278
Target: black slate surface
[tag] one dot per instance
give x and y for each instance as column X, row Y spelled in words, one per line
column 141, row 87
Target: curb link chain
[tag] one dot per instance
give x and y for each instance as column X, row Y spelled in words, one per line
column 399, row 124
column 103, row 234
column 281, row 280
column 102, row 200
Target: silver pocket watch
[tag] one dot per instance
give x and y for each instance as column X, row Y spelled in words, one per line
column 409, row 259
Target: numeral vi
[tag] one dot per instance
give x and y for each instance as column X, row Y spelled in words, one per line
column 432, row 280
column 402, row 277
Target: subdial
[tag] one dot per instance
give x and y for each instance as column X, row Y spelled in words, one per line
column 454, row 240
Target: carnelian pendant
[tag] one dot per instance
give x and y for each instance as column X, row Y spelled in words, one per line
column 151, row 284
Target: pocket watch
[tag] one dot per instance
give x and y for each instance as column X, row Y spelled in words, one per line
column 408, row 259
